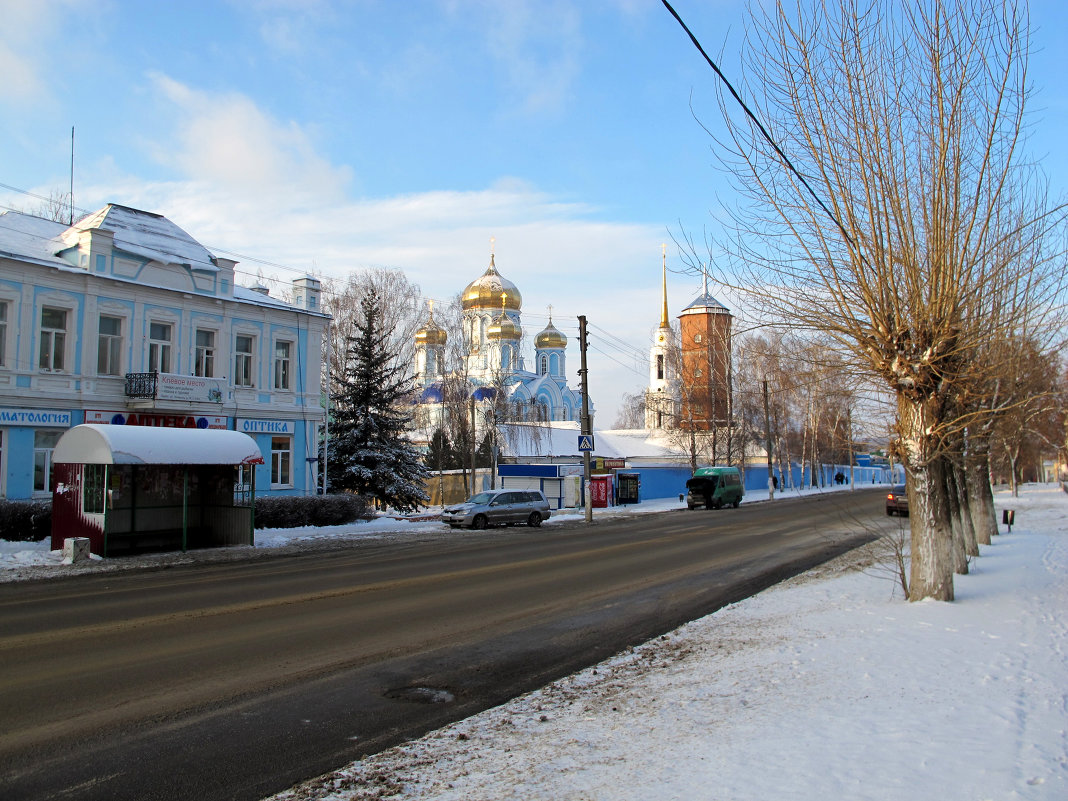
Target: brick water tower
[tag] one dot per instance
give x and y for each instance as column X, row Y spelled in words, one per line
column 705, row 327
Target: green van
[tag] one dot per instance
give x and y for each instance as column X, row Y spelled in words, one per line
column 713, row 487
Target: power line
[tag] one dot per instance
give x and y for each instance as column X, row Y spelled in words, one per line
column 760, row 126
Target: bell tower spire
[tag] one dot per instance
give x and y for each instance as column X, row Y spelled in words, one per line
column 664, row 310
column 660, row 404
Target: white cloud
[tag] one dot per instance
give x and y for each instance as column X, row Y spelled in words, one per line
column 21, row 81
column 536, row 44
column 29, row 30
column 226, row 139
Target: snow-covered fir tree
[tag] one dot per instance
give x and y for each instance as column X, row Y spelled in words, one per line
column 369, row 453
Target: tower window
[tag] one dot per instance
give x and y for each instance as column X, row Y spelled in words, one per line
column 660, row 366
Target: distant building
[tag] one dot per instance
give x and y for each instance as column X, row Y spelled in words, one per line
column 662, row 394
column 705, row 332
column 689, row 379
column 492, row 357
column 125, row 319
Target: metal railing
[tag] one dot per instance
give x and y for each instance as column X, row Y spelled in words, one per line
column 141, row 385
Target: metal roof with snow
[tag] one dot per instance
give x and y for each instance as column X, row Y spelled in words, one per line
column 147, row 234
column 92, row 443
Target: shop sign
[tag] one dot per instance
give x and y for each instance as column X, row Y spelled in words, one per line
column 34, row 417
column 191, row 388
column 266, row 426
column 174, row 420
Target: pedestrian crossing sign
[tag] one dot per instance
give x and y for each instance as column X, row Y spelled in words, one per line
column 585, row 442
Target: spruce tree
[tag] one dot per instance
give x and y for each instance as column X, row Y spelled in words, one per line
column 369, row 452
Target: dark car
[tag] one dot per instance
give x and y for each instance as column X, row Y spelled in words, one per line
column 897, row 501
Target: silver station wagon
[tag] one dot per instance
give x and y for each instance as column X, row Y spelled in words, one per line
column 498, row 507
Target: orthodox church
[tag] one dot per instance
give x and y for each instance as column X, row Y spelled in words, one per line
column 492, row 359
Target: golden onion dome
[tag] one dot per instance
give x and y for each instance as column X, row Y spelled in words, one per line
column 550, row 337
column 485, row 292
column 503, row 328
column 431, row 333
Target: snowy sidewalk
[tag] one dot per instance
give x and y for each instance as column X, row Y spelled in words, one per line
column 824, row 687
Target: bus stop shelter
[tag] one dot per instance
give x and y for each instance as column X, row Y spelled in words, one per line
column 139, row 488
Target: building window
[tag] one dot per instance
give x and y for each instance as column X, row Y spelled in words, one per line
column 44, row 442
column 281, row 462
column 109, row 346
column 243, row 361
column 660, row 366
column 543, row 364
column 3, row 334
column 53, row 339
column 204, row 357
column 159, row 347
column 281, row 365
column 696, row 337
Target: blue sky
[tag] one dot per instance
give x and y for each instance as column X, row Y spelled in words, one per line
column 310, row 135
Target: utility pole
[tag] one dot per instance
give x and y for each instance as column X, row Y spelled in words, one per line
column 474, row 446
column 849, row 443
column 767, row 435
column 585, row 423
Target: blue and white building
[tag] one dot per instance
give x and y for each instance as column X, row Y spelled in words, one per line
column 492, row 354
column 123, row 318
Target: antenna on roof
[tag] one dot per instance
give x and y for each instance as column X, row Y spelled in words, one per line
column 71, row 175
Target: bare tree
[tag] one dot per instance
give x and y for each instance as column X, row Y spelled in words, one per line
column 401, row 305
column 901, row 242
column 631, row 412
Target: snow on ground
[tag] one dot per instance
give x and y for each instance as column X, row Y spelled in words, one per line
column 826, row 686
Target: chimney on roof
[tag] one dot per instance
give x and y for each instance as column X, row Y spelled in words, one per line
column 307, row 292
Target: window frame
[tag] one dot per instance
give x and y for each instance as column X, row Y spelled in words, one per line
column 244, row 360
column 4, row 306
column 114, row 346
column 50, row 335
column 161, row 348
column 286, row 365
column 204, row 355
column 45, row 452
column 281, row 462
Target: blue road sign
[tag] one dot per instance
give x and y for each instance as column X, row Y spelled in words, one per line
column 585, row 442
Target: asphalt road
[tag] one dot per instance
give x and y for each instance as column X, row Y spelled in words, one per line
column 236, row 680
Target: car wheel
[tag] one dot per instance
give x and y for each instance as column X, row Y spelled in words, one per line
column 737, row 503
column 479, row 522
column 534, row 520
column 889, row 512
column 717, row 504
column 689, row 506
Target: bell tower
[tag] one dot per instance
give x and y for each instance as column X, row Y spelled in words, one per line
column 661, row 407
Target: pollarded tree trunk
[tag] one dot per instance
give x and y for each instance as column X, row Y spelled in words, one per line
column 960, row 479
column 980, row 496
column 956, row 526
column 931, row 562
